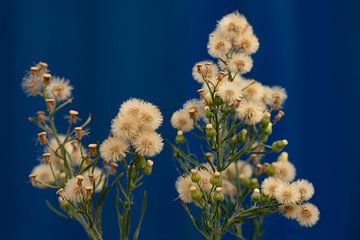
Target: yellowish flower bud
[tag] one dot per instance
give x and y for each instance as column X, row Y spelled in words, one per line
column 195, row 176
column 218, row 195
column 148, row 168
column 180, row 139
column 196, row 195
column 284, row 156
column 279, row 145
column 210, row 131
column 215, row 180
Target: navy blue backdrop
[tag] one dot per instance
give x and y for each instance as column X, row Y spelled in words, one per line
column 113, row 50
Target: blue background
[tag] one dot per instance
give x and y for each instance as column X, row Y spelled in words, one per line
column 113, row 50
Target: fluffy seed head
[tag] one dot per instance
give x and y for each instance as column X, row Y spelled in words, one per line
column 204, row 69
column 290, row 211
column 76, row 192
column 269, row 186
column 43, row 174
column 113, row 149
column 218, row 45
column 59, row 88
column 287, row 194
column 229, row 92
column 238, row 168
column 183, row 187
column 148, row 144
column 240, row 63
column 195, row 108
column 305, row 188
column 308, row 215
column 181, row 120
column 250, row 112
column 284, row 170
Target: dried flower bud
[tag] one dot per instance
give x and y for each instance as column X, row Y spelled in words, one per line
column 34, row 70
column 88, row 191
column 33, row 180
column 112, row 168
column 46, row 158
column 201, row 93
column 180, row 139
column 220, row 76
column 46, row 78
column 237, row 102
column 41, row 116
column 255, row 158
column 78, row 132
column 50, row 103
column 91, row 177
column 279, row 116
column 61, row 193
column 73, row 116
column 209, row 156
column 80, row 179
column 42, row 138
column 93, row 149
column 42, row 66
column 259, row 169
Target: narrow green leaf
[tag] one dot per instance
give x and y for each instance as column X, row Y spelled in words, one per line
column 143, row 208
column 56, row 211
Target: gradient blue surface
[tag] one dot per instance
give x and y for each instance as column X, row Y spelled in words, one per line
column 113, row 50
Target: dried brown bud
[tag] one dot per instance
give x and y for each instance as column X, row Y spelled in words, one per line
column 33, row 180
column 80, row 179
column 61, row 193
column 93, row 149
column 259, row 169
column 91, row 177
column 280, row 115
column 201, row 93
column 192, row 113
column 42, row 138
column 73, row 116
column 112, row 168
column 46, row 78
column 34, row 70
column 50, row 103
column 46, row 157
column 78, row 132
column 41, row 116
column 88, row 191
column 43, row 65
column 255, row 158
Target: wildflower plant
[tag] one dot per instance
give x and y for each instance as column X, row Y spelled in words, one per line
column 232, row 182
column 83, row 174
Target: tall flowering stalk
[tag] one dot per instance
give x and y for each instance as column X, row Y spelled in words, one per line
column 83, row 176
column 231, row 182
